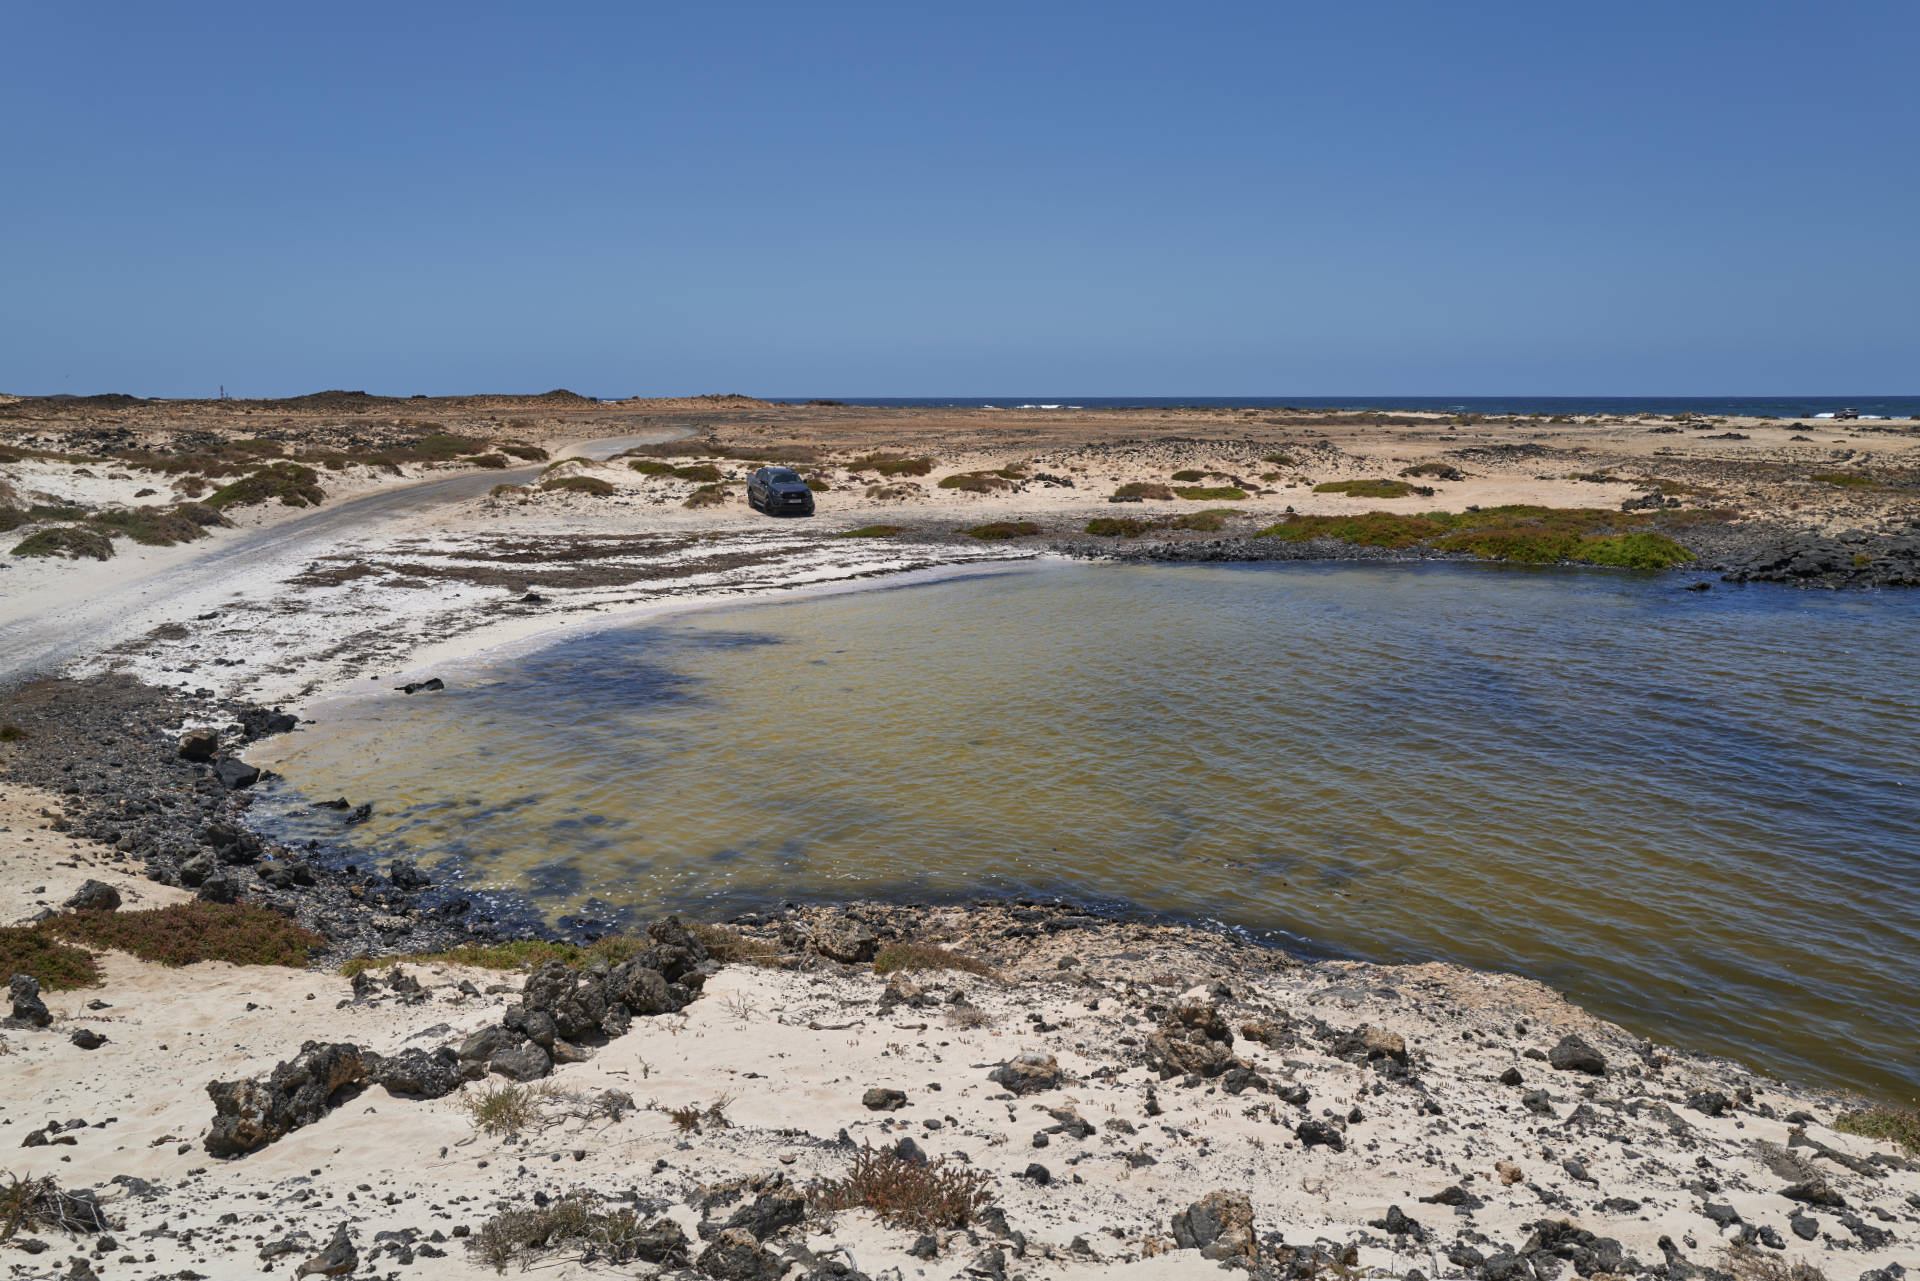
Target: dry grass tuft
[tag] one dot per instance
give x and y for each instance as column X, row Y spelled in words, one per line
column 1748, row 1264
column 916, row 1195
column 38, row 1204
column 506, row 1110
column 729, row 946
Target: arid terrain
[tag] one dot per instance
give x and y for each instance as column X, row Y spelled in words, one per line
column 238, row 1060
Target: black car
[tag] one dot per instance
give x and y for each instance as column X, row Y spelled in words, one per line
column 779, row 491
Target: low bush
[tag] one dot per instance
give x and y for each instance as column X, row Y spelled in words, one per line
column 647, row 467
column 975, row 482
column 579, row 485
column 1373, row 488
column 709, row 496
column 527, row 453
column 892, row 464
column 290, row 483
column 1207, row 521
column 1893, row 1125
column 12, row 734
column 818, row 484
column 28, row 949
column 729, row 946
column 441, row 446
column 494, row 462
column 1374, row 529
column 706, row 473
column 573, row 1223
column 1530, row 535
column 1144, row 489
column 910, row 957
column 67, row 540
column 1190, row 476
column 1005, row 529
column 1278, row 460
column 921, row 1195
column 520, row 954
column 187, row 933
column 1117, row 527
column 1439, row 471
column 874, row 531
column 1215, row 494
column 1845, row 479
column 152, row 526
column 505, row 1109
column 508, row 491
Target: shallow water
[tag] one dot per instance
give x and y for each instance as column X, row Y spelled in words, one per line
column 1694, row 813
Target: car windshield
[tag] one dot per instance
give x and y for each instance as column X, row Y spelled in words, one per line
column 783, row 478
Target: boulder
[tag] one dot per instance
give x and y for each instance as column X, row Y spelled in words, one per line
column 197, row 869
column 1320, row 1134
column 1367, row 1043
column 218, row 889
column 88, row 1039
column 523, row 1062
column 481, row 1046
column 250, row 1114
column 1028, row 1073
column 1219, row 1225
column 1193, row 1040
column 736, row 1256
column 406, row 875
column 881, row 1099
column 199, row 745
column 662, row 1241
column 420, row 1074
column 780, row 1207
column 286, row 873
column 846, row 940
column 1574, row 1055
column 576, row 1003
column 28, row 1009
column 94, row 896
column 235, row 774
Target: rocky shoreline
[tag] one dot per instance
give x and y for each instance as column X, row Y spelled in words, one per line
column 1073, row 1095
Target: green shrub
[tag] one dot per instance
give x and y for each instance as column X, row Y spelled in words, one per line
column 186, row 933
column 12, row 734
column 494, row 462
column 1190, row 476
column 874, row 531
column 28, row 949
column 441, row 447
column 1205, row 521
column 975, row 482
column 1439, row 471
column 504, row 491
column 529, row 453
column 1374, row 529
column 1279, row 460
column 1893, row 1125
column 1005, row 529
column 647, row 467
column 1846, row 479
column 1373, row 488
column 1117, row 527
column 922, row 1196
column 892, row 465
column 1632, row 551
column 706, row 473
column 579, row 485
column 520, row 954
column 68, row 540
column 1216, row 494
column 709, row 496
column 152, row 526
column 292, row 484
column 1144, row 489
column 11, row 518
column 818, row 484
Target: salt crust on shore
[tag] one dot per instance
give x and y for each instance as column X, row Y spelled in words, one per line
column 793, row 1052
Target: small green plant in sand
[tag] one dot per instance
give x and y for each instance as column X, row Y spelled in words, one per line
column 527, row 453
column 154, row 526
column 1190, row 476
column 1144, row 489
column 574, row 1224
column 1005, row 529
column 493, row 462
column 922, row 1196
column 59, row 967
column 729, row 946
column 705, row 473
column 1278, row 460
column 591, row 485
column 874, row 531
column 975, row 482
column 1212, row 494
column 1208, row 521
column 186, row 933
column 12, row 734
column 70, row 541
column 1899, row 1126
column 442, row 446
column 910, row 957
column 520, row 954
column 1845, row 479
column 648, row 467
column 505, row 1110
column 709, row 496
column 1381, row 488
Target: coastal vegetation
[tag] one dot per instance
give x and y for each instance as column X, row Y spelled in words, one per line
column 1381, row 488
column 1887, row 1124
column 910, row 957
column 1005, row 529
column 59, row 967
column 1212, row 494
column 892, row 464
column 290, row 483
column 1439, row 471
column 65, row 540
column 1845, row 479
column 1143, row 489
column 187, row 933
column 593, row 485
column 976, row 482
column 918, row 1195
column 1530, row 535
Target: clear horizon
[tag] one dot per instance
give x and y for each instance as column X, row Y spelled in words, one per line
column 437, row 198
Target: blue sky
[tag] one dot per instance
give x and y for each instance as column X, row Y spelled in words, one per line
column 903, row 199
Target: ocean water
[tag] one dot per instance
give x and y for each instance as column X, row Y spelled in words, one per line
column 1697, row 814
column 1879, row 406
